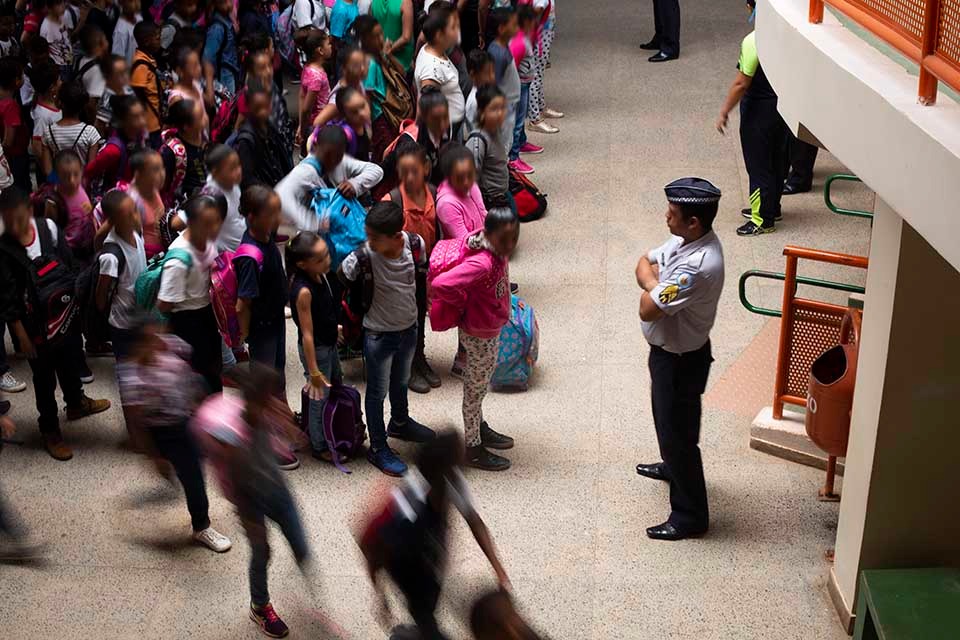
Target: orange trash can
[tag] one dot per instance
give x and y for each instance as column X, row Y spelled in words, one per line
column 830, row 396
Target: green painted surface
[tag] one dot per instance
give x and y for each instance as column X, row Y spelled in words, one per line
column 909, row 604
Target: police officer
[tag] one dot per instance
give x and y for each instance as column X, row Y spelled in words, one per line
column 666, row 38
column 681, row 282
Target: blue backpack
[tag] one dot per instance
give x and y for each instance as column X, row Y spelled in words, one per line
column 341, row 220
column 519, row 348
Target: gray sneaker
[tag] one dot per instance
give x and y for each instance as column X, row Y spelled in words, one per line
column 9, row 383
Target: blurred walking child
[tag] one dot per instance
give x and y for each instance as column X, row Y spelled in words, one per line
column 408, row 539
column 388, row 263
column 477, row 293
column 316, row 304
column 161, row 396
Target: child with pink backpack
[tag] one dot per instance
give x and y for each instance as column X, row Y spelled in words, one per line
column 470, row 289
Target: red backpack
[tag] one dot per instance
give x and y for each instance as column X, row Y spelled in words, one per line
column 176, row 146
column 225, row 120
column 531, row 202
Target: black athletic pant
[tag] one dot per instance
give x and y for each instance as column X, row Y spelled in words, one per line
column 418, row 355
column 666, row 20
column 421, row 589
column 677, row 382
column 803, row 156
column 763, row 136
column 55, row 364
column 176, row 445
column 198, row 328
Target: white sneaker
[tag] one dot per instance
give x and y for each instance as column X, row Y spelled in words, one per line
column 9, row 384
column 213, row 539
column 552, row 113
column 542, row 127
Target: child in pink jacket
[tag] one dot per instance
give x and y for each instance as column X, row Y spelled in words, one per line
column 479, row 288
column 460, row 207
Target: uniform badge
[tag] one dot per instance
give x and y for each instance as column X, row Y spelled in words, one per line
column 684, row 280
column 669, row 294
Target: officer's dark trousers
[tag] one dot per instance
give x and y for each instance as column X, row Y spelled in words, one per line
column 763, row 136
column 803, row 156
column 666, row 20
column 677, row 382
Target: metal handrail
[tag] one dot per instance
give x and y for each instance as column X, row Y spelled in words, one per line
column 857, row 213
column 773, row 275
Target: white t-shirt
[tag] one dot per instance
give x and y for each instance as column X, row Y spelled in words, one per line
column 79, row 137
column 92, row 78
column 231, row 233
column 124, row 44
column 187, row 288
column 43, row 116
column 444, row 73
column 33, row 249
column 124, row 300
column 336, row 89
column 57, row 35
column 304, row 15
column 470, row 113
column 6, row 176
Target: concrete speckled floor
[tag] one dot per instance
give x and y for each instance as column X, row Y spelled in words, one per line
column 569, row 517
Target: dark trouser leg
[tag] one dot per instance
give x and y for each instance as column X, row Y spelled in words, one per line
column 4, row 365
column 68, row 361
column 421, row 317
column 256, row 530
column 763, row 137
column 421, row 590
column 668, row 29
column 283, row 510
column 657, row 21
column 677, row 384
column 400, row 375
column 198, row 328
column 469, row 31
column 803, row 156
column 50, row 365
column 268, row 346
column 175, row 444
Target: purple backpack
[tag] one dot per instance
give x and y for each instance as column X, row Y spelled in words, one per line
column 343, row 426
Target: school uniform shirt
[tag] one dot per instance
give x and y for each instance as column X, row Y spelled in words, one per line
column 266, row 287
column 296, row 189
column 394, row 306
column 493, row 175
column 124, row 306
column 57, row 35
column 92, row 78
column 80, row 137
column 309, row 12
column 143, row 78
column 124, row 44
column 505, row 72
column 43, row 116
column 187, row 288
column 749, row 65
column 104, row 110
column 444, row 73
column 234, row 226
column 10, row 117
column 324, row 308
column 691, row 279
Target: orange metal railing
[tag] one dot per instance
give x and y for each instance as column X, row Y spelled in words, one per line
column 926, row 31
column 807, row 328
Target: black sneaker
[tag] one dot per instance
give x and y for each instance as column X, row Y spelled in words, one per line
column 410, row 431
column 417, row 383
column 753, row 229
column 428, row 373
column 514, row 288
column 479, row 458
column 493, row 440
column 748, row 214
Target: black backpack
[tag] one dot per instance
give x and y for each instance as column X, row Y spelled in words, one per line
column 93, row 320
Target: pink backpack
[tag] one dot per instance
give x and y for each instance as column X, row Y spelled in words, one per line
column 223, row 291
column 446, row 255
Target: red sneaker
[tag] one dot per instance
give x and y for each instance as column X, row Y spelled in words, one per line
column 270, row 623
column 520, row 166
column 529, row 147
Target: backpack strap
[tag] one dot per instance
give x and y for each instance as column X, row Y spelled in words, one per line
column 116, row 251
column 247, row 250
column 47, row 246
column 81, row 71
column 396, row 197
column 156, row 78
column 365, row 277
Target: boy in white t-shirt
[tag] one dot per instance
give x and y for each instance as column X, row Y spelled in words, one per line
column 308, row 13
column 185, row 288
column 57, row 34
column 46, row 85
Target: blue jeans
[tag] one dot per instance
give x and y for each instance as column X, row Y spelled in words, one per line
column 276, row 503
column 519, row 132
column 389, row 356
column 329, row 365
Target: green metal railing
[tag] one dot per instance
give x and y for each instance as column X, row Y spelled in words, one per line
column 857, row 213
column 773, row 275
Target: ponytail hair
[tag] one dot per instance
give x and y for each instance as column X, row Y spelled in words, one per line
column 298, row 249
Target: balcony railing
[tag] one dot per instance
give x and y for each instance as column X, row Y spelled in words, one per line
column 926, row 31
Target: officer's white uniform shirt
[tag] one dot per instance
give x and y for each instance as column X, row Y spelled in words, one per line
column 691, row 279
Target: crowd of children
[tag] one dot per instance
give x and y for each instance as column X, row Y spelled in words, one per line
column 149, row 162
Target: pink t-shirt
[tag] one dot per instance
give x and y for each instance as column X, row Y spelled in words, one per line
column 150, row 212
column 315, row 79
column 79, row 229
column 458, row 216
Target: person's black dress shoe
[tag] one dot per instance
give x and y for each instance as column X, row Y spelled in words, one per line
column 660, row 56
column 653, row 45
column 792, row 189
column 654, row 471
column 668, row 531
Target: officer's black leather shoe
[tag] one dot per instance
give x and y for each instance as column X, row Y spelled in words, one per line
column 668, row 531
column 660, row 56
column 654, row 471
column 653, row 45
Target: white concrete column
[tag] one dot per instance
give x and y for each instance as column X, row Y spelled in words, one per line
column 900, row 493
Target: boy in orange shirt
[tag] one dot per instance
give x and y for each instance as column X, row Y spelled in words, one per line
column 147, row 81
